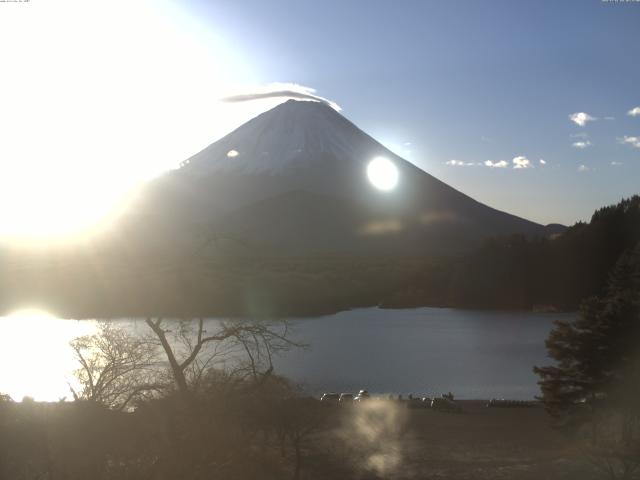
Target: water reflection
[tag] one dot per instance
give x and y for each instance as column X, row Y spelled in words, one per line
column 35, row 357
column 425, row 350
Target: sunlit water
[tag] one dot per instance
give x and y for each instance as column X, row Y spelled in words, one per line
column 421, row 351
column 35, row 357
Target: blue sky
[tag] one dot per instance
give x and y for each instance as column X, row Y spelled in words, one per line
column 468, row 81
column 97, row 97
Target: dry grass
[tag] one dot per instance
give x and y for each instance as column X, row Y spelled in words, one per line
column 480, row 443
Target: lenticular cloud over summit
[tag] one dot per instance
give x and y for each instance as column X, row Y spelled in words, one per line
column 281, row 90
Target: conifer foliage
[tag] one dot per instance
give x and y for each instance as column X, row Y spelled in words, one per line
column 593, row 390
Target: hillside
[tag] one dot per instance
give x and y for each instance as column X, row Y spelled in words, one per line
column 296, row 175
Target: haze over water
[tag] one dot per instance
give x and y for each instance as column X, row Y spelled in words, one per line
column 421, row 351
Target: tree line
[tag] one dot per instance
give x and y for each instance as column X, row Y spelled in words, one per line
column 559, row 272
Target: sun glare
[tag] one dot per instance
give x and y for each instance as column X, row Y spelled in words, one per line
column 36, row 357
column 382, row 174
column 94, row 100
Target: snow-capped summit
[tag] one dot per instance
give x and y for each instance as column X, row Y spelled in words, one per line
column 286, row 136
column 294, row 179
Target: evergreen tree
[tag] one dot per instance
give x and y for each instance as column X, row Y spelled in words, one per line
column 597, row 353
column 593, row 389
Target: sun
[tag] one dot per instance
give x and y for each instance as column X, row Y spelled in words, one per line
column 85, row 123
column 382, row 174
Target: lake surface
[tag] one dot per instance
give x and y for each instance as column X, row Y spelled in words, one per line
column 422, row 351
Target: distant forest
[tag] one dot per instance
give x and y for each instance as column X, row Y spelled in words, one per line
column 544, row 273
column 512, row 272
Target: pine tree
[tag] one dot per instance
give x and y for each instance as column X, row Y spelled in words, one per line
column 593, row 390
column 597, row 353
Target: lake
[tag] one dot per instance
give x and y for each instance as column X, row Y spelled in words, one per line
column 474, row 354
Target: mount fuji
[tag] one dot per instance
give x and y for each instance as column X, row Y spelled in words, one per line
column 294, row 180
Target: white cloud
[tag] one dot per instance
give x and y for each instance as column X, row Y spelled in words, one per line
column 518, row 162
column 633, row 141
column 583, row 168
column 582, row 144
column 581, row 118
column 521, row 162
column 459, row 163
column 609, row 118
column 498, row 164
column 280, row 90
column 615, row 164
column 634, row 112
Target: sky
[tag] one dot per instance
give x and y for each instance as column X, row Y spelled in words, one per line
column 96, row 97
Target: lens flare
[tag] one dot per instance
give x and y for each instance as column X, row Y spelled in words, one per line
column 382, row 174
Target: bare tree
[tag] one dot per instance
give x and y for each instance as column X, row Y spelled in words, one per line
column 116, row 367
column 257, row 343
column 248, row 347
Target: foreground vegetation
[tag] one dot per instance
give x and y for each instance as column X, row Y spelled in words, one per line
column 592, row 389
column 158, row 405
column 176, row 401
column 253, row 432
